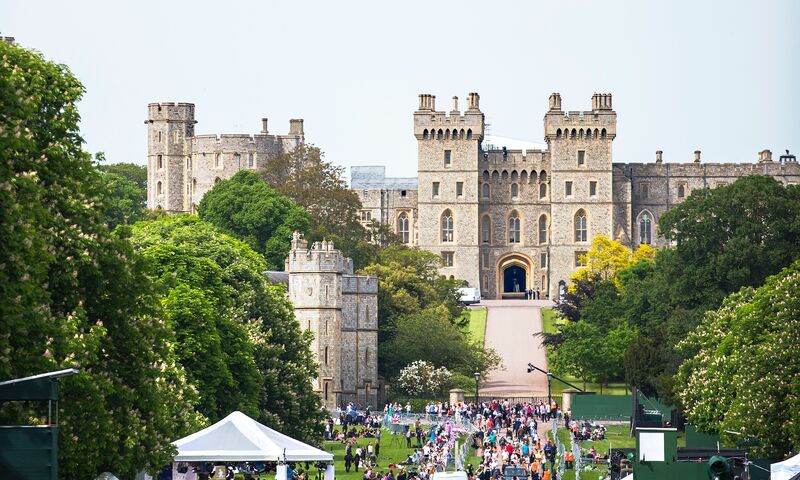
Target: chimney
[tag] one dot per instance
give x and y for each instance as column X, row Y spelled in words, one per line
column 764, row 156
column 455, row 104
column 697, row 156
column 264, row 126
column 659, row 159
column 473, row 101
column 555, row 101
column 601, row 101
column 296, row 126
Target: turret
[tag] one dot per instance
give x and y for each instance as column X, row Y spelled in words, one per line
column 169, row 126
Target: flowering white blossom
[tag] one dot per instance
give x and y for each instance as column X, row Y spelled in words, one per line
column 422, row 377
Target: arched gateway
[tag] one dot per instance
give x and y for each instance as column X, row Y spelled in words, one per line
column 513, row 275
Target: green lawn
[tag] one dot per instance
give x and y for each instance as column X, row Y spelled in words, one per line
column 550, row 321
column 476, row 328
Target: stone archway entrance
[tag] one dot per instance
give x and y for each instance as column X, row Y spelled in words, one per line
column 513, row 276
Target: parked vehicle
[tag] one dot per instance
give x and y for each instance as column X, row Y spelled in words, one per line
column 468, row 295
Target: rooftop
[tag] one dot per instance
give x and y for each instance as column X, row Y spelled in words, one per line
column 374, row 177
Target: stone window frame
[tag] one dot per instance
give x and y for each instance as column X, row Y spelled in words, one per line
column 486, row 229
column 514, row 191
column 251, row 160
column 404, row 233
column 159, row 161
column 448, row 158
column 578, row 262
column 486, row 190
column 644, row 226
column 592, row 188
column 514, row 228
column 366, row 215
column 569, row 190
column 543, row 190
column 580, row 226
column 681, row 190
column 218, row 160
column 644, row 190
column 435, row 190
column 543, row 232
column 447, row 226
column 581, row 158
column 448, row 259
column 485, row 263
column 543, row 260
column 459, row 189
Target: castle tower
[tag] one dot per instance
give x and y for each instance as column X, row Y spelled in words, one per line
column 169, row 126
column 582, row 202
column 448, row 153
column 315, row 278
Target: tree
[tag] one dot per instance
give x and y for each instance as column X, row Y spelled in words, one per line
column 423, row 378
column 581, row 353
column 318, row 186
column 240, row 342
column 249, row 209
column 124, row 202
column 75, row 295
column 430, row 336
column 741, row 372
column 606, row 257
column 130, row 171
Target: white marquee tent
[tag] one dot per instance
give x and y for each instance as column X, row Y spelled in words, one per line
column 239, row 438
column 786, row 469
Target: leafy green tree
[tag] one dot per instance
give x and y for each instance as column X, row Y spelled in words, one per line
column 580, row 353
column 124, row 201
column 249, row 209
column 72, row 294
column 130, row 171
column 429, row 335
column 318, row 186
column 742, row 372
column 239, row 340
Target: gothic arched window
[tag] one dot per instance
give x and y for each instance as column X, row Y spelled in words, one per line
column 645, row 229
column 486, row 190
column 543, row 229
column 580, row 226
column 542, row 190
column 158, row 188
column 681, row 191
column 513, row 228
column 514, row 190
column 486, row 229
column 447, row 226
column 402, row 227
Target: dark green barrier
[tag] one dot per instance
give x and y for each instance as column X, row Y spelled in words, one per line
column 29, row 453
column 602, row 407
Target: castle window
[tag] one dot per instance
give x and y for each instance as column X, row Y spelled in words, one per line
column 194, row 186
column 568, row 189
column 514, row 190
column 447, row 259
column 439, row 134
column 644, row 190
column 251, row 157
column 543, row 176
column 189, row 163
column 486, row 283
column 447, row 226
column 217, row 160
column 447, row 158
column 366, row 216
column 403, row 193
column 523, row 176
column 485, row 258
column 542, row 229
column 158, row 188
column 573, row 134
column 160, row 161
column 326, row 355
column 425, row 134
column 469, row 134
column 603, row 133
column 580, row 259
column 366, row 356
column 592, row 189
column 237, row 159
column 580, row 226
column 459, row 189
column 558, row 133
column 486, row 175
column 542, row 190
column 681, row 191
column 513, row 228
column 435, row 189
column 402, row 227
column 486, row 229
column 159, row 137
column 645, row 229
column 542, row 260
column 486, row 190
column 581, row 157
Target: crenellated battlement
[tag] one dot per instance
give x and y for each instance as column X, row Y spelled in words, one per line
column 321, row 257
column 598, row 123
column 498, row 157
column 170, row 111
column 430, row 124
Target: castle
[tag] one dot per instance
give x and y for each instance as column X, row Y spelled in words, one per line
column 508, row 219
column 182, row 166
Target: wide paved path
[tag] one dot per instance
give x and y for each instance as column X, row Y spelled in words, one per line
column 510, row 329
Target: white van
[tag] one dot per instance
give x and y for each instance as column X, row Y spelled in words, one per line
column 468, row 295
column 459, row 475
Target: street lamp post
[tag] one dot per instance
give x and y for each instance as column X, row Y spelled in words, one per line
column 477, row 376
column 549, row 396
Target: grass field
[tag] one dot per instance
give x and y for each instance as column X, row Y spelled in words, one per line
column 477, row 323
column 550, row 322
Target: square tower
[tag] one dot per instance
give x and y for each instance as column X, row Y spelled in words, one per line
column 448, row 152
column 581, row 196
column 169, row 126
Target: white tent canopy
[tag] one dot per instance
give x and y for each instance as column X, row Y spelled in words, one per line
column 786, row 469
column 239, row 438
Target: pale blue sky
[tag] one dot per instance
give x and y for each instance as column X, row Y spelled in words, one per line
column 719, row 76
